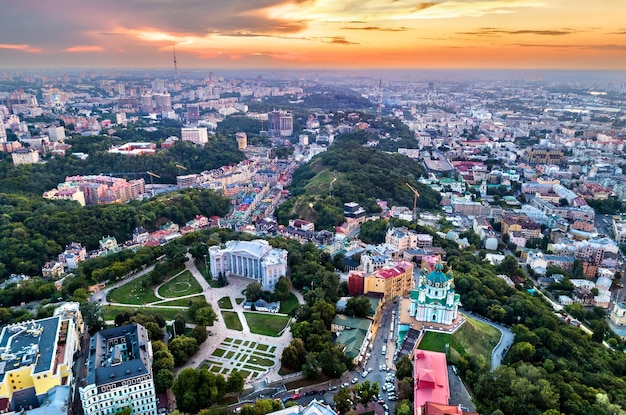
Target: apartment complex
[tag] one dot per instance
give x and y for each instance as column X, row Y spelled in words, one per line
column 97, row 190
column 391, row 282
column 196, row 135
column 36, row 356
column 119, row 372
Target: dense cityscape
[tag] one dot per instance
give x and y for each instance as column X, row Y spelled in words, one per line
column 312, row 242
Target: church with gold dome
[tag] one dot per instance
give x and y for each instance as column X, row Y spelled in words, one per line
column 434, row 300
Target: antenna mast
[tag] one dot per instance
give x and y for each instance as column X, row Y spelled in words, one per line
column 175, row 64
column 379, row 108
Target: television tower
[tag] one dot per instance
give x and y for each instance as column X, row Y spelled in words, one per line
column 379, row 108
column 176, row 81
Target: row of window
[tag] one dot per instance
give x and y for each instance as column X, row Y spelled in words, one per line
column 135, row 410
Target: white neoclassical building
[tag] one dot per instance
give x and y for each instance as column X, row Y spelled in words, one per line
column 251, row 259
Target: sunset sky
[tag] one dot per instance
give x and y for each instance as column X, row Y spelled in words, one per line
column 570, row 34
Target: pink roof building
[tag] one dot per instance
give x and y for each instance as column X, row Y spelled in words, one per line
column 431, row 379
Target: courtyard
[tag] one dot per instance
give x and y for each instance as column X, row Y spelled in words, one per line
column 250, row 357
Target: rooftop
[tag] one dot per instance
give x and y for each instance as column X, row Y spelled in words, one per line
column 118, row 353
column 431, row 378
column 28, row 344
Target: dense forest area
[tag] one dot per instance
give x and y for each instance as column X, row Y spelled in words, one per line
column 37, row 178
column 35, row 230
column 350, row 172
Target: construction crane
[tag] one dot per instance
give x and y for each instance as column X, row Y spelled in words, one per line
column 152, row 176
column 180, row 167
column 416, row 195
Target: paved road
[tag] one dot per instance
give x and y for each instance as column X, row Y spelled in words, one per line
column 506, row 340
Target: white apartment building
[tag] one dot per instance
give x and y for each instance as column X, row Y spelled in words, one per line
column 119, row 373
column 197, row 135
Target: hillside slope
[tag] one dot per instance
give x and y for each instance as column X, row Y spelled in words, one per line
column 358, row 174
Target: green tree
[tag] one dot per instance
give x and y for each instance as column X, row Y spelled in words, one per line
column 404, row 408
column 205, row 316
column 365, row 391
column 163, row 380
column 254, row 291
column 93, row 316
column 358, row 306
column 404, row 368
column 310, row 367
column 342, row 400
column 80, row 295
column 331, row 361
column 282, row 289
column 179, row 324
column 200, row 334
column 294, row 355
column 235, row 381
column 182, row 348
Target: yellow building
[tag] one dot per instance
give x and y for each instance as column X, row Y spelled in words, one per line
column 37, row 355
column 391, row 282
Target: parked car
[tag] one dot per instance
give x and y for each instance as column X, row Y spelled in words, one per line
column 295, row 396
column 332, row 388
column 345, row 385
column 355, row 380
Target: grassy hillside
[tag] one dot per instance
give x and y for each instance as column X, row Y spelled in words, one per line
column 357, row 174
column 474, row 338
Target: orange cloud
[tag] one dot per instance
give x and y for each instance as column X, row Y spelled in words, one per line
column 82, row 49
column 23, row 48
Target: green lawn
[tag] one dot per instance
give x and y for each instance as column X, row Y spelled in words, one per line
column 260, row 361
column 183, row 284
column 167, row 313
column 185, row 302
column 231, row 319
column 266, row 324
column 289, row 305
column 474, row 338
column 239, row 300
column 136, row 292
column 218, row 352
column 225, row 303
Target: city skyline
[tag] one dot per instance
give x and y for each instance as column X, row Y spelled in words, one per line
column 320, row 34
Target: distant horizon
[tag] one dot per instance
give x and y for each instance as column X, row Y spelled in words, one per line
column 324, row 34
column 540, row 74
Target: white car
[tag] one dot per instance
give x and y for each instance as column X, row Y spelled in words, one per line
column 355, row 380
column 384, row 388
column 365, row 373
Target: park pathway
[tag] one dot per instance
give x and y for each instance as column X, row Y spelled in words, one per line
column 219, row 330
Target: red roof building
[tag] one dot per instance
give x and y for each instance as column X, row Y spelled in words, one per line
column 430, row 374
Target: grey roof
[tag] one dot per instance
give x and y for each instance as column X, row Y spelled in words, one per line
column 135, row 361
column 28, row 343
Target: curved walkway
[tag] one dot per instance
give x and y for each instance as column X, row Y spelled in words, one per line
column 219, row 330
